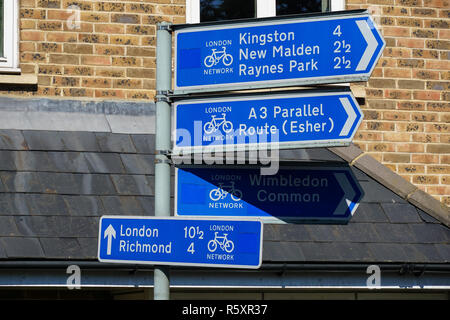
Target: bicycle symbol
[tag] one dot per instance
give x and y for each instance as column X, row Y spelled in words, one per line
column 223, row 190
column 215, row 57
column 221, row 241
column 216, row 123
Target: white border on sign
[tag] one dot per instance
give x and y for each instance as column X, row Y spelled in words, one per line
column 230, row 266
column 272, row 219
column 278, row 82
column 264, row 146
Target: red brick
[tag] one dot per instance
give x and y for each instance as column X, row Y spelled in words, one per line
column 96, row 60
column 427, row 95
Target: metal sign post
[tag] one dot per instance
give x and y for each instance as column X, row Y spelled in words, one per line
column 161, row 289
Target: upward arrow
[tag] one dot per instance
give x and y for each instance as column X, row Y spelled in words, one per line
column 110, row 233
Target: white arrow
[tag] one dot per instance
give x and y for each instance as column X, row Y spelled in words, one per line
column 371, row 44
column 110, row 233
column 349, row 193
column 351, row 116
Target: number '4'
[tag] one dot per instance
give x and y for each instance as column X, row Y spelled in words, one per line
column 337, row 31
column 191, row 248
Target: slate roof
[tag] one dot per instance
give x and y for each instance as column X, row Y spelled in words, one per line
column 55, row 185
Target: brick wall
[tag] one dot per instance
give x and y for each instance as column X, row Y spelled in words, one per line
column 407, row 109
column 112, row 56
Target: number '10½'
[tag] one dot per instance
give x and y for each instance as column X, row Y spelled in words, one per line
column 193, row 232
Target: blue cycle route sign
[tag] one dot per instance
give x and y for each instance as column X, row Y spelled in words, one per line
column 327, row 48
column 295, row 194
column 228, row 243
column 291, row 120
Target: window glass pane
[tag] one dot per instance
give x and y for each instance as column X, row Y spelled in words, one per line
column 285, row 7
column 1, row 28
column 215, row 10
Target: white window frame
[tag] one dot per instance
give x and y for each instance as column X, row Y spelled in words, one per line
column 9, row 63
column 264, row 8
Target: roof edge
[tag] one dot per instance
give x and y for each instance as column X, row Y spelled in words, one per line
column 394, row 182
column 266, row 265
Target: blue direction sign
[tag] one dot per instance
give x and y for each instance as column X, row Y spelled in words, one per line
column 276, row 52
column 306, row 194
column 294, row 120
column 176, row 241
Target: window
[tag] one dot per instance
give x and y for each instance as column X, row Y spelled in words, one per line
column 285, row 7
column 216, row 10
column 9, row 36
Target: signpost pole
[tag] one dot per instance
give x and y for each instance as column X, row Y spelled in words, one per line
column 161, row 289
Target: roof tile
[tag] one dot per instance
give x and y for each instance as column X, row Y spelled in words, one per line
column 73, row 227
column 133, row 185
column 12, row 140
column 115, row 142
column 401, row 213
column 22, row 181
column 35, row 226
column 8, row 226
column 70, row 162
column 95, row 184
column 138, row 163
column 79, row 205
column 59, row 183
column 33, row 161
column 394, row 233
column 45, row 204
column 430, row 233
column 387, row 252
column 369, row 212
column 375, row 192
column 104, row 162
column 282, row 251
column 79, row 141
column 122, row 205
column 444, row 251
column 43, row 140
column 56, row 248
column 144, row 143
column 27, row 248
column 7, row 160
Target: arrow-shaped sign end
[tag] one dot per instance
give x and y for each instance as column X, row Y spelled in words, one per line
column 349, row 194
column 372, row 44
column 351, row 116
